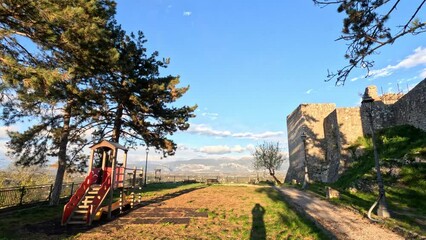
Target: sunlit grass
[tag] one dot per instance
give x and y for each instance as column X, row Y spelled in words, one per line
column 233, row 212
column 405, row 190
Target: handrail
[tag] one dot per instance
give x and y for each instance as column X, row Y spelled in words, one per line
column 102, row 193
column 119, row 176
column 79, row 194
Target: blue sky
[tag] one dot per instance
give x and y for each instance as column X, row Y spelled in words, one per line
column 251, row 63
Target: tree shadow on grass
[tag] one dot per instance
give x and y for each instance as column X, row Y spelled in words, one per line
column 53, row 227
column 295, row 217
column 258, row 230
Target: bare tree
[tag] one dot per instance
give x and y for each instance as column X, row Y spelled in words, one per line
column 268, row 156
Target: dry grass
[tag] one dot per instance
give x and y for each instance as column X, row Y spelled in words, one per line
column 234, row 212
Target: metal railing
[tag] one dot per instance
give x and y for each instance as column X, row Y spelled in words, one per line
column 204, row 178
column 18, row 196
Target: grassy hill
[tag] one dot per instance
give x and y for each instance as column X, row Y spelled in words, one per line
column 402, row 152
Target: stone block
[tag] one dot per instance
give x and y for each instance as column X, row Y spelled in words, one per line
column 331, row 193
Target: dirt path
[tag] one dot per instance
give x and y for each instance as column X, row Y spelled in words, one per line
column 340, row 222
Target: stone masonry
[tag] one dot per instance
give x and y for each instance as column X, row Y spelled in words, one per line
column 330, row 130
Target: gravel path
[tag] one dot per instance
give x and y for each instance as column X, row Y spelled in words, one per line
column 340, row 222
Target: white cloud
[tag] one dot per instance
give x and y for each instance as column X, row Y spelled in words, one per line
column 238, row 149
column 4, row 159
column 267, row 134
column 223, row 149
column 187, row 13
column 309, row 91
column 3, row 131
column 383, row 72
column 251, row 148
column 418, row 58
column 354, row 79
column 202, row 129
column 205, row 130
column 413, row 60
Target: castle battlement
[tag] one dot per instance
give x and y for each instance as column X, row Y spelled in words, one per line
column 330, row 130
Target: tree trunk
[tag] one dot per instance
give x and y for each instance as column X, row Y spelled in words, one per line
column 117, row 124
column 276, row 179
column 272, row 173
column 62, row 156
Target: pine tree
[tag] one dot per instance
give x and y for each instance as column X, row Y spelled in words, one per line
column 139, row 106
column 49, row 53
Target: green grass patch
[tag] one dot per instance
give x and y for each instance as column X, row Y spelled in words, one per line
column 404, row 179
column 12, row 224
column 284, row 221
column 155, row 189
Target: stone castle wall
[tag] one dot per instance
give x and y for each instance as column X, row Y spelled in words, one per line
column 295, row 150
column 308, row 118
column 347, row 127
column 332, row 130
column 411, row 108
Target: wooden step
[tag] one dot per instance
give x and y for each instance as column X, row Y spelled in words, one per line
column 86, row 202
column 92, row 192
column 83, row 207
column 76, row 222
column 83, row 211
column 78, row 217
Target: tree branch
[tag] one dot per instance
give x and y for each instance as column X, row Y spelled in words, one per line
column 414, row 15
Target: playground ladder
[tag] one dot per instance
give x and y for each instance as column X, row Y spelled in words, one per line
column 84, row 204
column 79, row 216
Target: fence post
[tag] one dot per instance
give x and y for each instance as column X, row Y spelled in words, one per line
column 121, row 201
column 22, row 195
column 134, row 178
column 50, row 191
column 72, row 189
column 133, row 200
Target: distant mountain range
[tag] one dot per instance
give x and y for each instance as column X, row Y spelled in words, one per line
column 214, row 167
column 224, row 166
